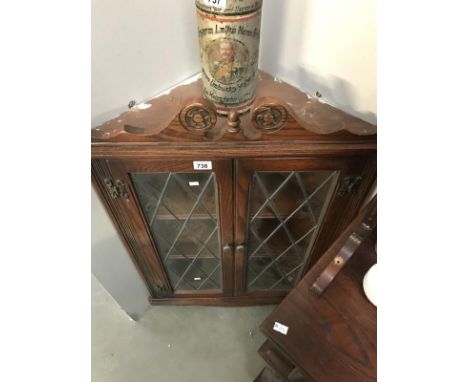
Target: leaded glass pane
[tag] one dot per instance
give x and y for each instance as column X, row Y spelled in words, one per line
column 285, row 211
column 181, row 211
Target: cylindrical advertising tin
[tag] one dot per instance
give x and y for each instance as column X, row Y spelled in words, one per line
column 229, row 36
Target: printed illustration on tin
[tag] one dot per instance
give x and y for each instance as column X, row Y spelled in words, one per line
column 228, row 60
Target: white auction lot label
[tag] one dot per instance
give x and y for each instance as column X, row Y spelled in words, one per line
column 202, row 165
column 216, row 3
column 280, row 328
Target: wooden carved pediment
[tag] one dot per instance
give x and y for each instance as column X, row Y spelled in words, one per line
column 184, row 116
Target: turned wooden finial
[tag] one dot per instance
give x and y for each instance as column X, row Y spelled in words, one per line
column 233, row 122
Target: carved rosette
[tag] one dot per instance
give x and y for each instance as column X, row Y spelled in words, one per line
column 269, row 117
column 197, row 117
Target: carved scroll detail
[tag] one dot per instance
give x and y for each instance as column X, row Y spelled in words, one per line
column 198, row 116
column 269, row 117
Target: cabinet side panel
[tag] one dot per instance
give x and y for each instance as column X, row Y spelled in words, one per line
column 99, row 173
column 345, row 208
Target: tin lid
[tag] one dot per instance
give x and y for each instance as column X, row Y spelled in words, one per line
column 229, row 7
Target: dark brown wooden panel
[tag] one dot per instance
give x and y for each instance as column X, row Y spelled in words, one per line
column 332, row 337
column 134, row 238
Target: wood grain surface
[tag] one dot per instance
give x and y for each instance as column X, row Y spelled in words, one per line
column 331, row 338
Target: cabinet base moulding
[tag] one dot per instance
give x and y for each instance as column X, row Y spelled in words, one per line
column 218, row 301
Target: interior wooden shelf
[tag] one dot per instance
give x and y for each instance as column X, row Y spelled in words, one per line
column 191, row 257
column 183, row 217
column 266, row 215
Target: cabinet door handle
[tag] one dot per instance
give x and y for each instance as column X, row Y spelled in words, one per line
column 227, row 249
column 240, row 252
column 240, row 248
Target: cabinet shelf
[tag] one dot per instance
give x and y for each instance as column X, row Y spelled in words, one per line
column 189, row 274
column 179, row 209
column 191, row 256
column 266, row 215
column 183, row 217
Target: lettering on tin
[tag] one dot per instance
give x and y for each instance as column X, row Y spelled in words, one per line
column 239, row 8
column 225, row 100
column 217, row 85
column 225, row 29
column 246, row 32
column 205, row 31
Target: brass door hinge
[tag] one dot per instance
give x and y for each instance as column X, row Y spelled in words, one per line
column 116, row 188
column 350, row 185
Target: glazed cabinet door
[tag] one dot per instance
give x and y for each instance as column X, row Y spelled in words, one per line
column 287, row 212
column 178, row 214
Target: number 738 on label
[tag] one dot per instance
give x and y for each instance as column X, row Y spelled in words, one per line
column 202, row 165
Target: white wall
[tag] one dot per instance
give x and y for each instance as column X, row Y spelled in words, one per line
column 139, row 48
column 143, row 47
column 324, row 45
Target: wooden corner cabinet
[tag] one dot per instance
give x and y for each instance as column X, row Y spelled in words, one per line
column 231, row 210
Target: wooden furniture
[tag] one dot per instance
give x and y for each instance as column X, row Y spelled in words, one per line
column 332, row 327
column 235, row 210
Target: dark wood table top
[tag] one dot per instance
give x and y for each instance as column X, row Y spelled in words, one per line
column 332, row 337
